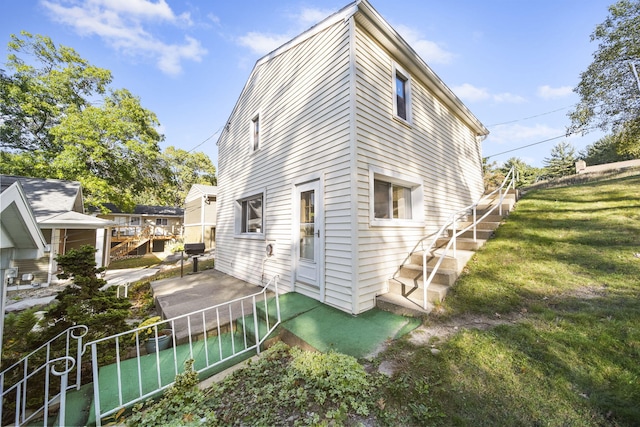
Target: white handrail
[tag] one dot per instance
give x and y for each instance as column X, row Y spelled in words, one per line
column 509, row 181
column 24, row 374
column 205, row 322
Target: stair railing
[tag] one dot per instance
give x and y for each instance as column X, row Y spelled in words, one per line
column 209, row 323
column 22, row 382
column 502, row 191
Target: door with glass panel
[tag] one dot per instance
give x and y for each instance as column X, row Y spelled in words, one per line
column 308, row 233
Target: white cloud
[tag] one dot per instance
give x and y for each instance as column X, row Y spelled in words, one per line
column 513, row 133
column 120, row 24
column 508, row 98
column 262, row 43
column 428, row 50
column 470, row 93
column 548, row 92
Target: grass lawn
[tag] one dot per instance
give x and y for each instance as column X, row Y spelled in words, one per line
column 564, row 270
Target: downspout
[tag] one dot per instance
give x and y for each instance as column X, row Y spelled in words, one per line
column 353, row 167
column 202, row 208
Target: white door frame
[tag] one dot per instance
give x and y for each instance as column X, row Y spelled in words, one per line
column 314, row 182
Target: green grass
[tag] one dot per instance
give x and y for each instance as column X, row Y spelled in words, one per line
column 564, row 269
column 148, row 260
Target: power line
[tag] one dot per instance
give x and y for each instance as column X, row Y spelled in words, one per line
column 531, row 117
column 529, row 145
column 214, row 134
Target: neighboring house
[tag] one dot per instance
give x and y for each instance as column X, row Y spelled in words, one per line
column 58, row 209
column 200, row 215
column 20, row 239
column 146, row 229
column 343, row 150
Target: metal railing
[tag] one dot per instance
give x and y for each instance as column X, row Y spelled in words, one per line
column 235, row 322
column 502, row 191
column 31, row 379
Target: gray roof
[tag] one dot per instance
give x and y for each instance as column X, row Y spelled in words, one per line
column 47, row 197
column 144, row 210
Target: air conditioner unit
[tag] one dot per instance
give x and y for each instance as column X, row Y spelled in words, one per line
column 11, row 273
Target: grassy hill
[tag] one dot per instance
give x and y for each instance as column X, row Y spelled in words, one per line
column 561, row 279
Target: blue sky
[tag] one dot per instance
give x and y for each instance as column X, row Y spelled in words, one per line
column 512, row 62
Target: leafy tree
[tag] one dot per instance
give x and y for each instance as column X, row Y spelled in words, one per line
column 562, row 160
column 525, row 174
column 187, row 169
column 60, row 119
column 603, row 151
column 492, row 174
column 609, row 92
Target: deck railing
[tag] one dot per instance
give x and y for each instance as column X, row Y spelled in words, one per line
column 42, row 377
column 210, row 336
column 493, row 199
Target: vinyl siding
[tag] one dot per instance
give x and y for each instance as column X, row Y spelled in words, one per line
column 302, row 98
column 437, row 148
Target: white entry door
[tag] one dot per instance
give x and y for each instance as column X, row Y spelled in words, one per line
column 307, row 229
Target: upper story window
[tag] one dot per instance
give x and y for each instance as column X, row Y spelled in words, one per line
column 402, row 94
column 255, row 133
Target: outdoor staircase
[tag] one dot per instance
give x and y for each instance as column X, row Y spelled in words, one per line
column 406, row 288
column 123, row 248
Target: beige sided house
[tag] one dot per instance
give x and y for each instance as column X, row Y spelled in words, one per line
column 200, row 215
column 342, row 152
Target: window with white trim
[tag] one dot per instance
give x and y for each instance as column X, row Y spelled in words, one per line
column 162, row 221
column 255, row 133
column 391, row 201
column 251, row 215
column 401, row 94
column 396, row 199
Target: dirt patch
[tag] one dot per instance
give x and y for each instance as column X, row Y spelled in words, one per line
column 437, row 332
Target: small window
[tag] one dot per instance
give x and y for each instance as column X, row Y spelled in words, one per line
column 251, row 215
column 135, row 220
column 255, row 133
column 391, row 201
column 402, row 94
column 162, row 221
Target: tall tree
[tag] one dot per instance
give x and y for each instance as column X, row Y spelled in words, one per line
column 60, row 119
column 525, row 174
column 603, row 151
column 562, row 160
column 609, row 90
column 187, row 169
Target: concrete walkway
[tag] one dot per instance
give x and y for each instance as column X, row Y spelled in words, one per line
column 177, row 296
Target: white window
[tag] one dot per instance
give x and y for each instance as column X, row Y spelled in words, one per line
column 255, row 133
column 250, row 215
column 396, row 199
column 162, row 221
column 401, row 94
column 135, row 220
column 391, row 201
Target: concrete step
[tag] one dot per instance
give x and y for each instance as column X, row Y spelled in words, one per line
column 402, row 306
column 413, row 274
column 406, row 288
column 462, row 243
column 448, row 262
column 484, row 225
column 480, row 234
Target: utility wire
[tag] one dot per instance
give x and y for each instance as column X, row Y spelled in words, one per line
column 528, row 145
column 214, row 134
column 530, row 117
